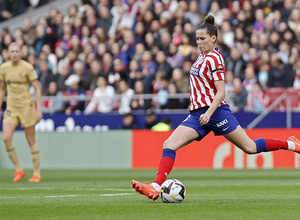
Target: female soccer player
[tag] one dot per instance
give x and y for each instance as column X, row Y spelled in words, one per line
column 16, row 76
column 208, row 112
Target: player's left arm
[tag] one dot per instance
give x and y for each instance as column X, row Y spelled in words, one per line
column 220, row 86
column 38, row 96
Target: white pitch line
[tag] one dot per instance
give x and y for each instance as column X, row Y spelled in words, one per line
column 62, row 196
column 54, row 188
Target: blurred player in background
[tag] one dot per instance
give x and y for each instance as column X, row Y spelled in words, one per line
column 16, row 76
column 209, row 111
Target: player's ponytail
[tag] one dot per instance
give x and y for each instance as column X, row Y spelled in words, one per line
column 209, row 19
column 210, row 25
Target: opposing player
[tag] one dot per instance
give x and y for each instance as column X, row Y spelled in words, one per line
column 208, row 112
column 16, row 76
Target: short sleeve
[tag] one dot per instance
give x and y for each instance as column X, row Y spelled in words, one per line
column 2, row 74
column 216, row 65
column 32, row 75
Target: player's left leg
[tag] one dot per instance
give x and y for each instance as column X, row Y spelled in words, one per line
column 35, row 153
column 239, row 138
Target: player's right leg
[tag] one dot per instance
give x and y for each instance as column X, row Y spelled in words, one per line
column 8, row 130
column 182, row 136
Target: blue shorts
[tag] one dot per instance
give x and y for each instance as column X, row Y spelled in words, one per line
column 221, row 122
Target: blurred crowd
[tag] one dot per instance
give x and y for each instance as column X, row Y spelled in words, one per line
column 133, row 48
column 12, row 8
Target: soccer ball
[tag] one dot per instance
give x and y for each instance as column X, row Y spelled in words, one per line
column 172, row 191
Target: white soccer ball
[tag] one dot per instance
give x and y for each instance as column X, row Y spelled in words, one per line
column 172, row 191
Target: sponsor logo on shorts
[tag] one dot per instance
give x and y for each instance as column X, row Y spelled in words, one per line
column 224, row 129
column 224, row 122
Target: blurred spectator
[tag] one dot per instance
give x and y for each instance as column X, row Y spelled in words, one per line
column 53, row 99
column 126, row 97
column 256, row 100
column 250, row 77
column 148, row 69
column 45, row 75
column 28, row 30
column 150, row 119
column 117, row 73
column 128, row 47
column 180, row 80
column 164, row 125
column 96, row 70
column 175, row 103
column 117, row 11
column 64, row 73
column 263, row 73
column 139, row 102
column 162, row 64
column 139, row 50
column 228, row 34
column 11, row 8
column 135, row 73
column 284, row 52
column 175, row 59
column 296, row 84
column 216, row 12
column 128, row 121
column 162, row 93
column 240, row 96
column 79, row 69
column 105, row 20
column 229, row 88
column 76, row 95
column 51, row 58
column 280, row 74
column 103, row 97
column 236, row 63
column 72, row 12
column 204, row 5
column 65, row 41
column 194, row 15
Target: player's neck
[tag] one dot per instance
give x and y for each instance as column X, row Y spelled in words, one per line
column 15, row 62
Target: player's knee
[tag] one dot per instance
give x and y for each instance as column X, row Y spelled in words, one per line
column 7, row 138
column 250, row 149
column 30, row 140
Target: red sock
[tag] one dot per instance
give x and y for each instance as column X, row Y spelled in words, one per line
column 164, row 168
column 275, row 144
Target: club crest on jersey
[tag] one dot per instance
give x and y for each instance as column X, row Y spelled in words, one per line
column 194, row 71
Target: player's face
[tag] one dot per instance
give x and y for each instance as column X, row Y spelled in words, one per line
column 205, row 42
column 14, row 53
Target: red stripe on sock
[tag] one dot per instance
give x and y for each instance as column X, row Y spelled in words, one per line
column 164, row 168
column 275, row 144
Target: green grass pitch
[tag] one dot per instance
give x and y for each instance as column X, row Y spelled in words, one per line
column 107, row 194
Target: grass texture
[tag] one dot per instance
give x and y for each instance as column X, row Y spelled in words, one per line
column 107, row 194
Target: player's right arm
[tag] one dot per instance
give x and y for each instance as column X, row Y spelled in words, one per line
column 2, row 92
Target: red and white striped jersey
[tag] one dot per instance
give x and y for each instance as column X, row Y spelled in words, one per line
column 205, row 70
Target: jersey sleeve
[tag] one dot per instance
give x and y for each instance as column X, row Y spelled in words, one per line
column 32, row 75
column 2, row 74
column 216, row 65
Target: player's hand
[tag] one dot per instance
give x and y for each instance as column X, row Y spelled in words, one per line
column 39, row 115
column 204, row 119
